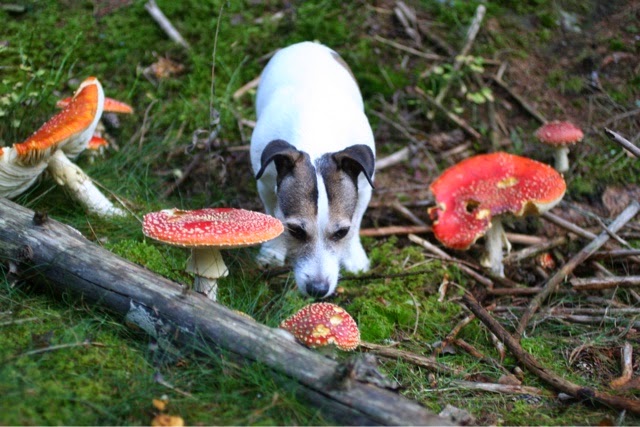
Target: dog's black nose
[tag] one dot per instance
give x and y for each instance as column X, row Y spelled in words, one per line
column 318, row 289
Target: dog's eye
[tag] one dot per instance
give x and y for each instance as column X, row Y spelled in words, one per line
column 340, row 234
column 297, row 232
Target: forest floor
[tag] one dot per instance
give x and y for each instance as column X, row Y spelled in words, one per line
column 530, row 63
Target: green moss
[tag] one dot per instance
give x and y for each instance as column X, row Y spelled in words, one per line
column 164, row 260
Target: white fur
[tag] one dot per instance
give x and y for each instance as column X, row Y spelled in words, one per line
column 310, row 100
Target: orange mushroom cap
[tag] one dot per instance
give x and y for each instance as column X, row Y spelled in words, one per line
column 110, row 105
column 72, row 128
column 470, row 193
column 322, row 324
column 558, row 133
column 212, row 227
column 96, row 142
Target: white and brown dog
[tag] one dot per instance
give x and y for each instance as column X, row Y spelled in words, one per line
column 313, row 155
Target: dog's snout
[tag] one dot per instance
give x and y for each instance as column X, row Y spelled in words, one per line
column 318, row 288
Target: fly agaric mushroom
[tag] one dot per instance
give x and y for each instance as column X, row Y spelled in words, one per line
column 472, row 196
column 69, row 132
column 206, row 232
column 560, row 135
column 322, row 324
column 110, row 106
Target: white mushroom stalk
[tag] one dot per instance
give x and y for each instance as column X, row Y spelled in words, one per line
column 207, row 266
column 561, row 159
column 494, row 240
column 560, row 135
column 16, row 178
column 68, row 175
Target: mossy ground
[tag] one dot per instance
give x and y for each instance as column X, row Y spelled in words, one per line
column 65, row 362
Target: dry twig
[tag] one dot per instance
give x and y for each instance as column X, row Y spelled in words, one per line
column 165, row 24
column 627, row 366
column 624, row 142
column 517, row 256
column 472, row 32
column 597, row 283
column 450, row 115
column 395, row 230
column 435, row 250
column 429, row 363
column 416, row 52
column 499, row 388
column 524, row 104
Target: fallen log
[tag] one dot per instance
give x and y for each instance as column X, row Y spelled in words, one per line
column 41, row 249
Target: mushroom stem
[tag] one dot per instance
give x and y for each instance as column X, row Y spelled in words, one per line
column 208, row 266
column 494, row 240
column 561, row 156
column 67, row 174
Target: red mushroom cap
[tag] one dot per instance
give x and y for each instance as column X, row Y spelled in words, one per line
column 470, row 193
column 73, row 126
column 96, row 142
column 214, row 227
column 559, row 133
column 110, row 105
column 322, row 324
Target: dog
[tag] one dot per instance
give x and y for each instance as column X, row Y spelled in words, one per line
column 313, row 155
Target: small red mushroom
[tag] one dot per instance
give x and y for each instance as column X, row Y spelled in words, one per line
column 472, row 196
column 323, row 324
column 206, row 232
column 560, row 135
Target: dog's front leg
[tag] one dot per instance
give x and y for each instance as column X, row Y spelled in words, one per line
column 355, row 258
column 273, row 252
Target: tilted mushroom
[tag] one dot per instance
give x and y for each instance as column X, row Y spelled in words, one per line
column 323, row 324
column 110, row 106
column 472, row 196
column 67, row 134
column 560, row 135
column 206, row 232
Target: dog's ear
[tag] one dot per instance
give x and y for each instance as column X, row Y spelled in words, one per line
column 283, row 154
column 355, row 159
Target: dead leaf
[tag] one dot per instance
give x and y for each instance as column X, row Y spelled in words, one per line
column 616, row 198
column 509, row 380
column 164, row 68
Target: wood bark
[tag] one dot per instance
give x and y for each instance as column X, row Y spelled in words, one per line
column 46, row 250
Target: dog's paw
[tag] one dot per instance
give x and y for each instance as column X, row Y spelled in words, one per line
column 356, row 261
column 269, row 257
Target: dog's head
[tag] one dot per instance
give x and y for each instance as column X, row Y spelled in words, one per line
column 316, row 203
